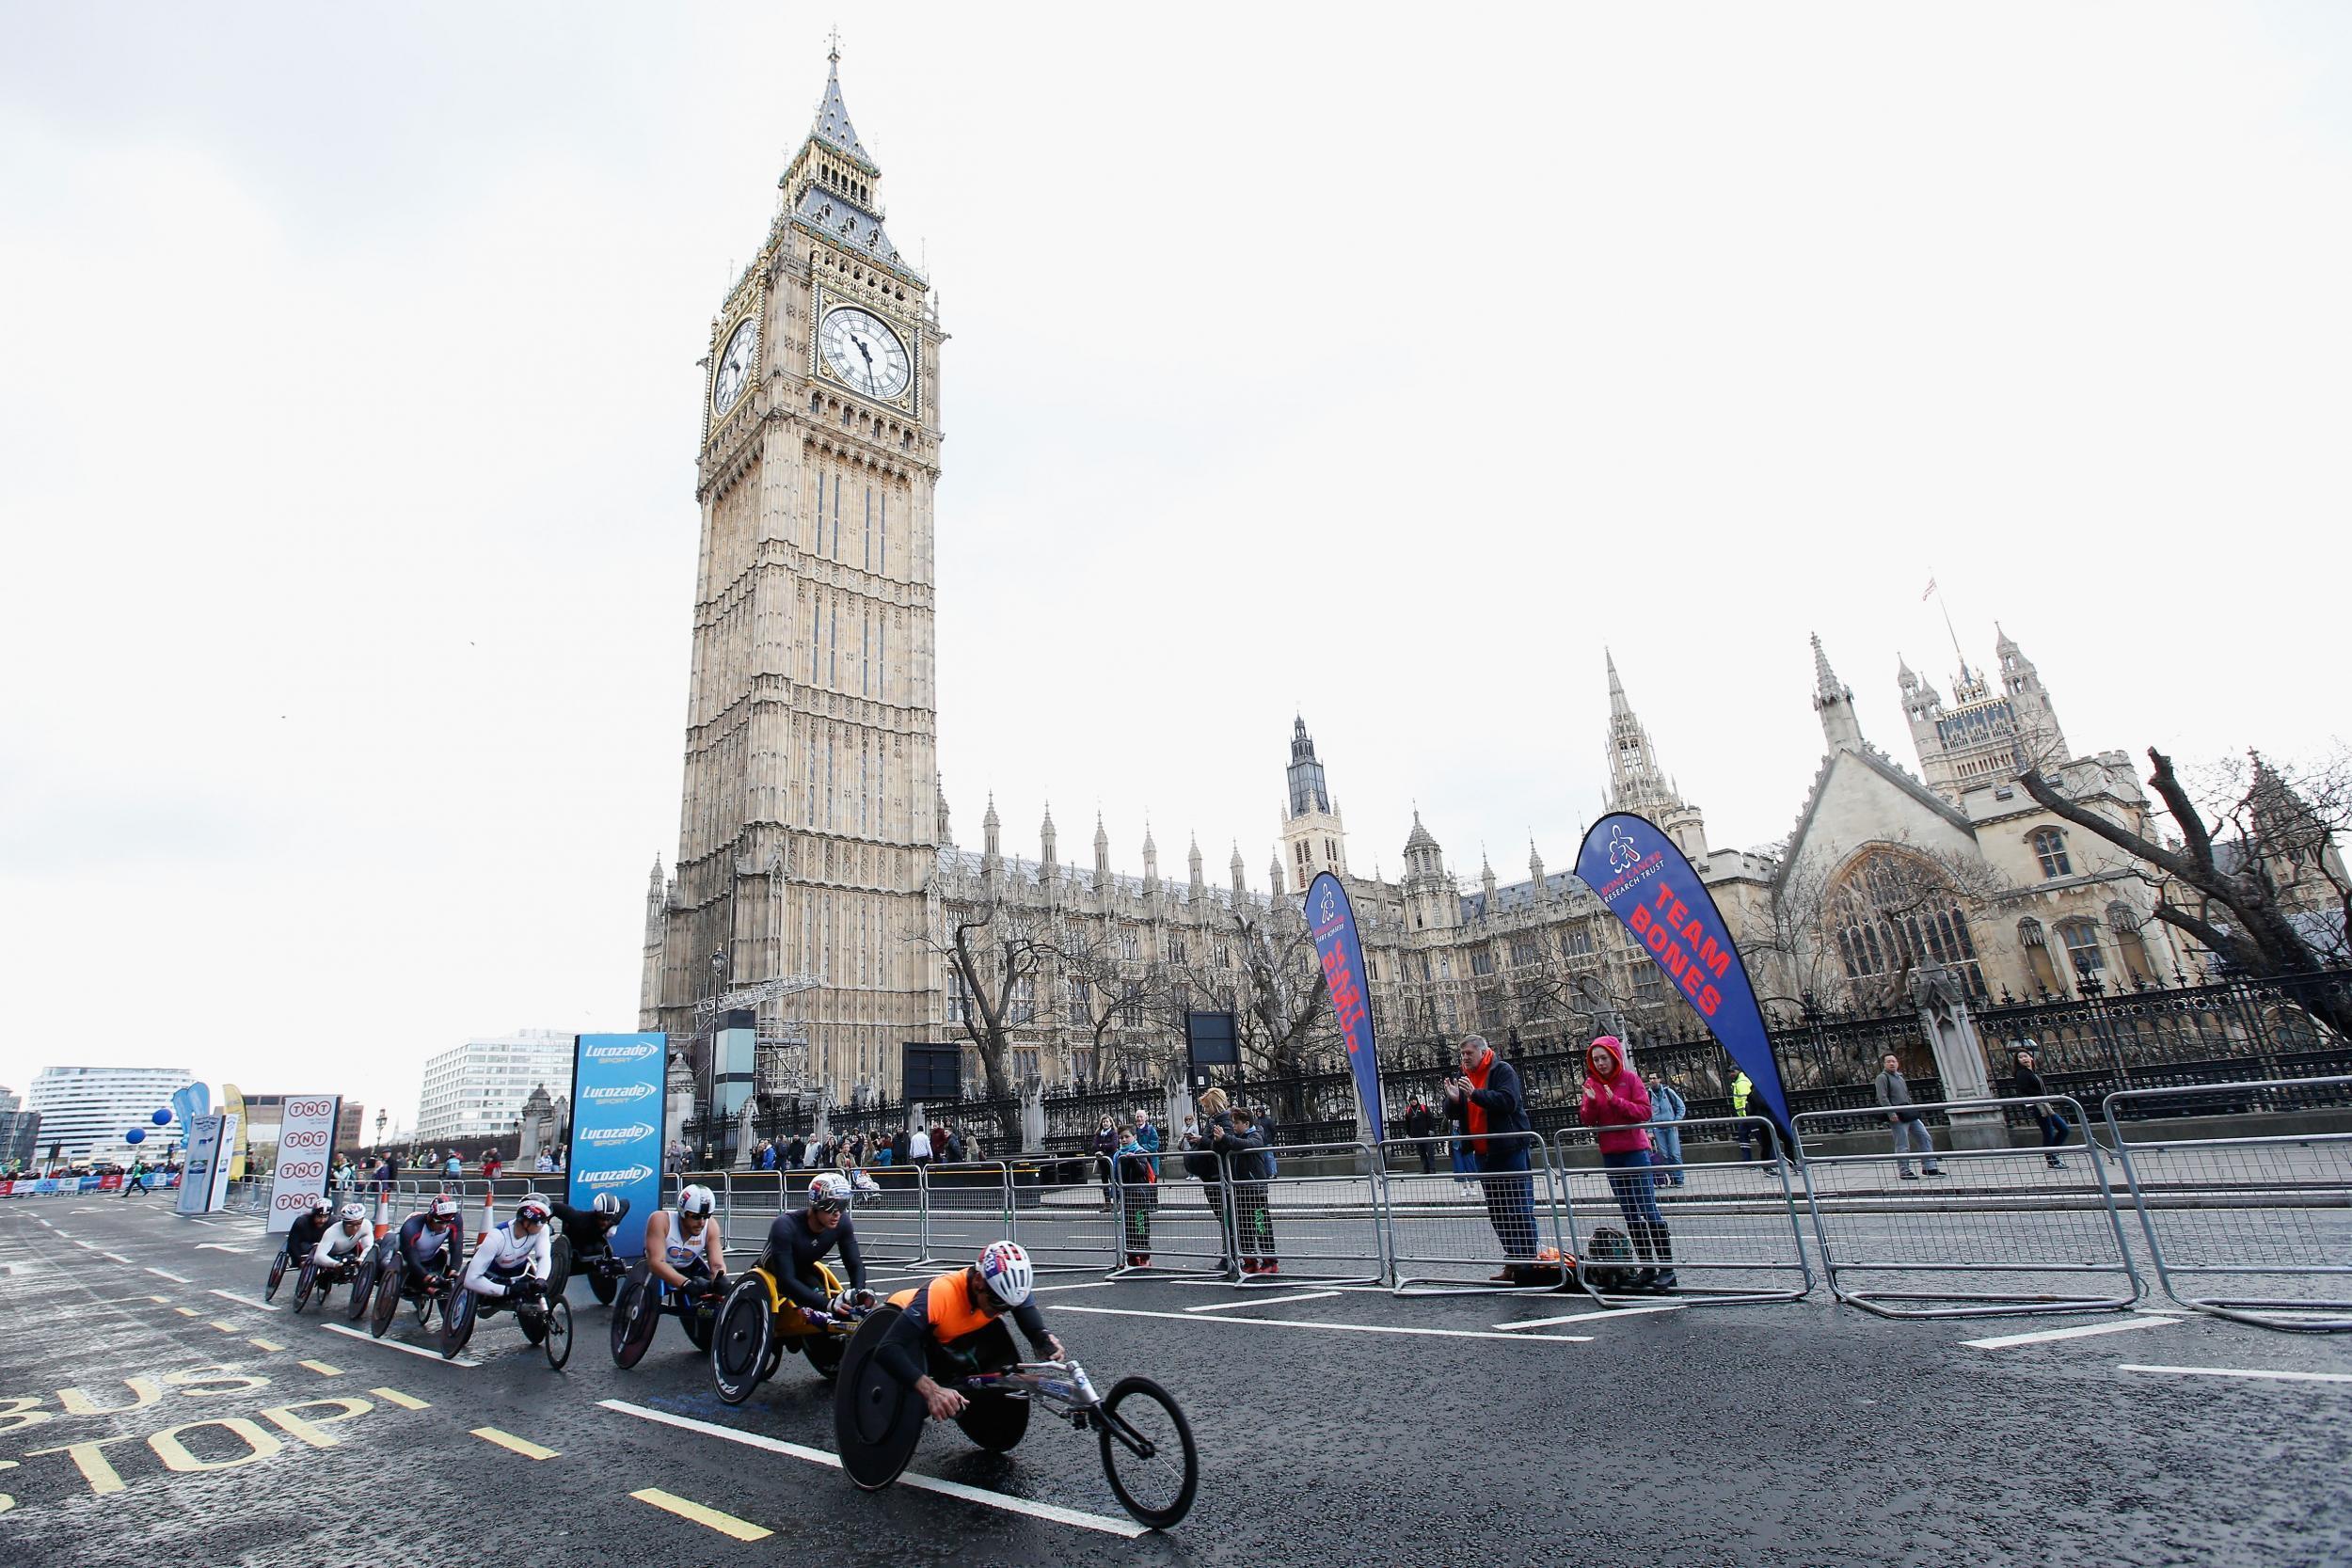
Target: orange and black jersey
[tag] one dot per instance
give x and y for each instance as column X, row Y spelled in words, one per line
column 943, row 1314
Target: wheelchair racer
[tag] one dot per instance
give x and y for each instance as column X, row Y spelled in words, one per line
column 951, row 1326
column 800, row 1237
column 430, row 1241
column 511, row 1265
column 304, row 1233
column 589, row 1230
column 683, row 1247
column 345, row 1244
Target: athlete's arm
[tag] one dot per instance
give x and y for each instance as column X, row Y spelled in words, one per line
column 852, row 1260
column 1032, row 1325
column 903, row 1352
column 543, row 1254
column 658, row 1246
column 478, row 1278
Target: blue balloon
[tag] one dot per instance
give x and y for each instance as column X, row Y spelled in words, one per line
column 137, row 1135
column 162, row 1116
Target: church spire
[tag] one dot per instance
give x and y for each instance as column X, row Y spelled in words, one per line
column 1618, row 706
column 1637, row 783
column 832, row 125
column 1834, row 701
column 829, row 187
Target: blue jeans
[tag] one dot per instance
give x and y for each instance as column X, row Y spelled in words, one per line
column 1510, row 1198
column 1666, row 1150
column 1636, row 1192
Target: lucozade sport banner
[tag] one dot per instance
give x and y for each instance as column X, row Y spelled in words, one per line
column 619, row 1098
column 1647, row 882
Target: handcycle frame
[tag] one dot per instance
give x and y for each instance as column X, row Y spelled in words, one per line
column 785, row 1326
column 669, row 1301
column 551, row 1314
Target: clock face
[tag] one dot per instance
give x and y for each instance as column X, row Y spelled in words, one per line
column 734, row 367
column 865, row 352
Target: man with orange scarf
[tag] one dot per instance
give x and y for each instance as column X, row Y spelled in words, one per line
column 1485, row 1099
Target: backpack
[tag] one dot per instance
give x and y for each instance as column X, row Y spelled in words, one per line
column 1608, row 1261
column 1549, row 1270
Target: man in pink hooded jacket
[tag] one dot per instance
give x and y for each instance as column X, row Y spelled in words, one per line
column 1615, row 1104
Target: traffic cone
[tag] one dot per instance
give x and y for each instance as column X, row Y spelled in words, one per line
column 489, row 1216
column 383, row 1210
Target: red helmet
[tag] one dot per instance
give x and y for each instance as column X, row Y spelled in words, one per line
column 441, row 1211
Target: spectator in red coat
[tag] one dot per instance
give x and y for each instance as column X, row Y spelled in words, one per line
column 1615, row 1104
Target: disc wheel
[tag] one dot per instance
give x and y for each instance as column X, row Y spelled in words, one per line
column 824, row 1352
column 1148, row 1455
column 741, row 1355
column 877, row 1421
column 605, row 1287
column 362, row 1291
column 995, row 1421
column 559, row 1266
column 557, row 1341
column 387, row 1302
column 304, row 1283
column 635, row 1316
column 698, row 1322
column 457, row 1320
column 534, row 1322
column 276, row 1273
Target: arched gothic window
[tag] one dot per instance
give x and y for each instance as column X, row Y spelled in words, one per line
column 1892, row 912
column 2049, row 846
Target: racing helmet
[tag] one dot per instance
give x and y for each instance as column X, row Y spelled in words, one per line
column 441, row 1211
column 320, row 1209
column 696, row 1201
column 829, row 1193
column 1006, row 1267
column 355, row 1213
column 534, row 1209
column 607, row 1203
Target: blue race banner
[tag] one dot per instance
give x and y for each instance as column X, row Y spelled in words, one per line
column 619, row 1104
column 1646, row 883
column 1332, row 919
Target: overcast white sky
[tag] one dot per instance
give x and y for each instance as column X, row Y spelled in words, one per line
column 1382, row 370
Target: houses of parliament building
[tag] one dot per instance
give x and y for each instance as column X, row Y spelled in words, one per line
column 816, row 877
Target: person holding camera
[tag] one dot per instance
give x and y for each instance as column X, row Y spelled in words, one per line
column 1486, row 1099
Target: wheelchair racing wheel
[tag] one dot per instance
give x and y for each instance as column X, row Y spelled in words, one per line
column 876, row 1421
column 742, row 1352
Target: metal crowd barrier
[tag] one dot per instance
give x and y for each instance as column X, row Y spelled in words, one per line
column 1445, row 1228
column 2003, row 1233
column 966, row 1206
column 1726, row 1227
column 2272, row 1212
column 1322, row 1226
column 1189, row 1223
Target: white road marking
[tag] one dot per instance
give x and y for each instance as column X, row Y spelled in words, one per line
column 1094, row 1285
column 175, row 1278
column 362, row 1335
column 208, row 1224
column 246, row 1301
column 1125, row 1528
column 1338, row 1328
column 1262, row 1301
column 116, row 1257
column 1595, row 1317
column 2239, row 1371
column 2081, row 1331
column 220, row 1246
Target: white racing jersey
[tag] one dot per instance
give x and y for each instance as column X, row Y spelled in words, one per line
column 504, row 1256
column 680, row 1253
column 337, row 1245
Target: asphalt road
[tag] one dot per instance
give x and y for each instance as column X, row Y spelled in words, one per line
column 151, row 1408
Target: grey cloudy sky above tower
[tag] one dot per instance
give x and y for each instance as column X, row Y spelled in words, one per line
column 354, row 432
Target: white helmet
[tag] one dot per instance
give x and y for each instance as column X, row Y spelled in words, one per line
column 829, row 1193
column 697, row 1200
column 354, row 1215
column 1006, row 1267
column 607, row 1203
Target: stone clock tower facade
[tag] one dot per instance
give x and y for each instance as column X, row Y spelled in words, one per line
column 809, row 819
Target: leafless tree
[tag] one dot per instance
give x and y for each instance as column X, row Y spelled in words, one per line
column 995, row 949
column 1283, row 1015
column 2255, row 862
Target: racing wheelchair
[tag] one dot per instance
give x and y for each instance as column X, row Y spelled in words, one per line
column 757, row 1326
column 644, row 1298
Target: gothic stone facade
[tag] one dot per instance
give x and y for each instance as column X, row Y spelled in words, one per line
column 813, row 840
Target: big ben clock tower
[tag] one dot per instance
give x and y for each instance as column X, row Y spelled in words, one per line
column 808, row 826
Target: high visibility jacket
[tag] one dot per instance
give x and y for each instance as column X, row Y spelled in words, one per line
column 1740, row 1086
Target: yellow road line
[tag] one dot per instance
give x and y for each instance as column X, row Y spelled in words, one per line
column 725, row 1524
column 186, row 1311
column 265, row 1344
column 160, row 1301
column 406, row 1401
column 225, row 1329
column 507, row 1440
column 323, row 1368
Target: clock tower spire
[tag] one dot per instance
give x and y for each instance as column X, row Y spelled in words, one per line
column 809, row 817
